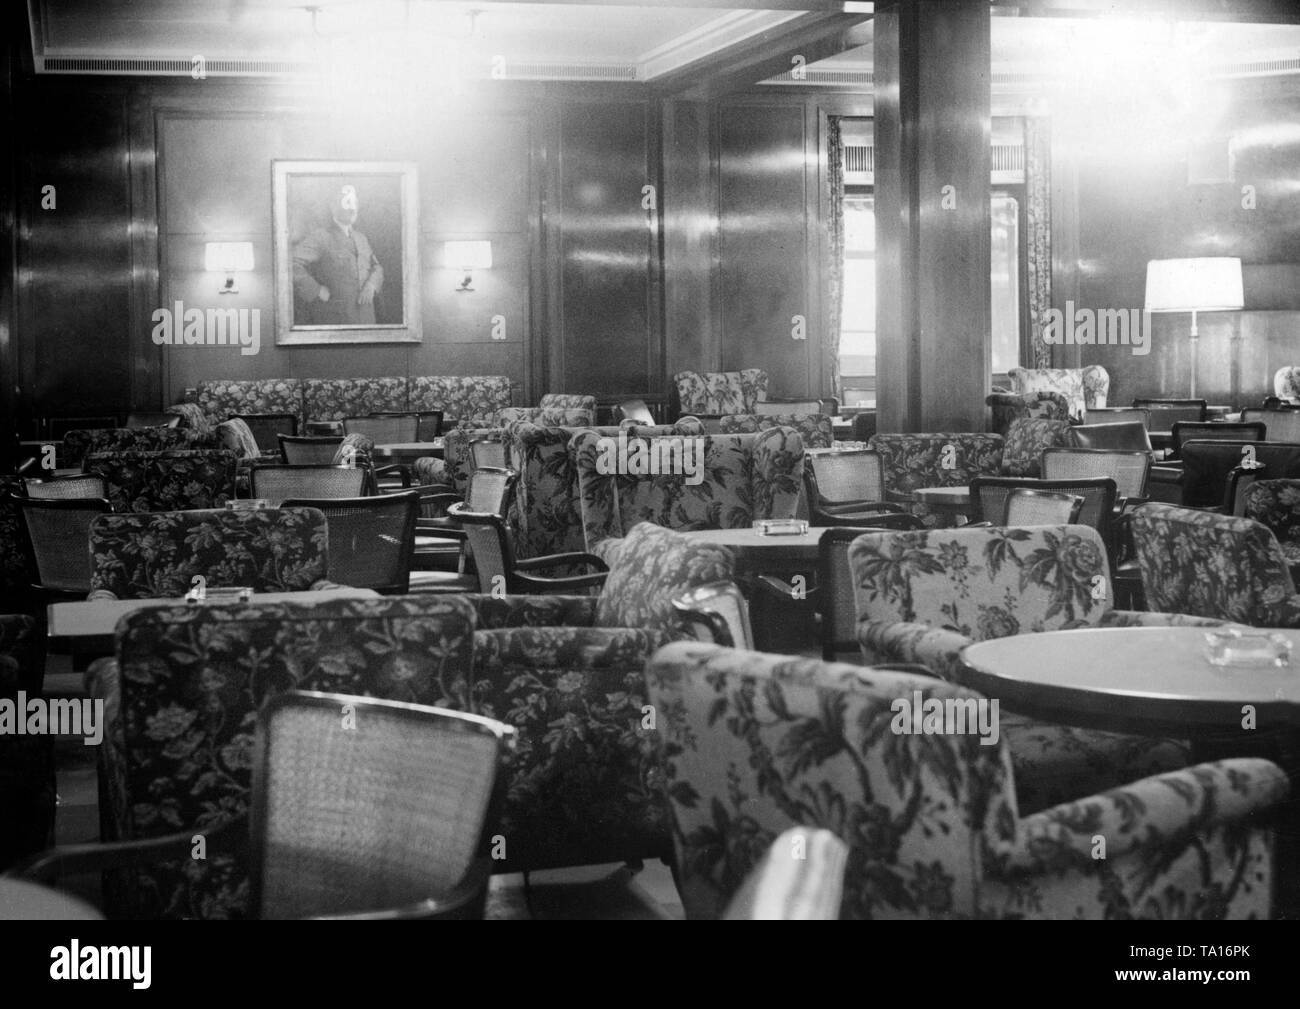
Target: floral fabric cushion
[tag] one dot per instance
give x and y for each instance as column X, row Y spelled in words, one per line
column 193, row 418
column 466, row 399
column 1276, row 504
column 814, row 428
column 754, row 744
column 936, row 460
column 718, row 392
column 549, row 416
column 1213, row 565
column 187, row 685
column 1286, row 383
column 570, row 401
column 237, row 436
column 1009, row 406
column 157, row 555
column 1022, row 451
column 165, row 481
column 336, row 398
column 355, row 450
column 262, row 395
column 648, row 568
column 742, row 477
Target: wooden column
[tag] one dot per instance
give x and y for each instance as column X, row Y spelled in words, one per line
column 932, row 164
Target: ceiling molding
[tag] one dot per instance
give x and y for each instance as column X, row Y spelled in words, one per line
column 708, row 39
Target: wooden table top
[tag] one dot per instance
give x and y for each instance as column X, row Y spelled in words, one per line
column 91, row 623
column 409, row 449
column 1133, row 679
column 942, row 495
column 748, row 542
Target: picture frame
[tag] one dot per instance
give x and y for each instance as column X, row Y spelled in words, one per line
column 345, row 236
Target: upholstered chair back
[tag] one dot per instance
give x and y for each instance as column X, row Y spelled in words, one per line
column 158, row 555
column 1213, row 565
column 753, row 744
column 718, row 392
column 722, row 481
column 171, row 480
column 1082, row 387
column 570, row 401
column 983, row 582
column 944, row 459
column 814, row 428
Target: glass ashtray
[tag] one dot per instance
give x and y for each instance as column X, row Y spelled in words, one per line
column 225, row 594
column 255, row 504
column 1232, row 647
column 780, row 527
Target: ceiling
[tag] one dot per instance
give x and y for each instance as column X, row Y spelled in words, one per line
column 657, row 42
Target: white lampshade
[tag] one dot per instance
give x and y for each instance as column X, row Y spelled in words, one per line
column 228, row 257
column 468, row 255
column 1194, row 285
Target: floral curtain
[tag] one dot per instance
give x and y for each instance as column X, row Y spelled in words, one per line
column 835, row 268
column 1038, row 219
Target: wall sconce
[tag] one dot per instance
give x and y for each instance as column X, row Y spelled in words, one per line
column 228, row 258
column 468, row 256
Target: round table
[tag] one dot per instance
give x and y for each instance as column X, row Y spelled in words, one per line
column 408, row 451
column 945, row 500
column 768, row 554
column 24, row 901
column 1153, row 680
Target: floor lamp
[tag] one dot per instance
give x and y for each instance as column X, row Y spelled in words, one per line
column 1210, row 284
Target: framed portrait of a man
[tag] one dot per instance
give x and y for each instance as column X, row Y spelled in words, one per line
column 347, row 249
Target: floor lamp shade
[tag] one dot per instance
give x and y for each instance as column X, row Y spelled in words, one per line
column 1210, row 284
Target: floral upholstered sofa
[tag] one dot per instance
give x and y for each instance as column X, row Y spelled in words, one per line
column 463, row 398
column 742, row 477
column 753, row 744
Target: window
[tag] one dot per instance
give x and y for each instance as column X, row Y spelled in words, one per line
column 858, row 319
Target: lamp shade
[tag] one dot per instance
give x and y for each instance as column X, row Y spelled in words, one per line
column 1194, row 285
column 468, row 255
column 228, row 257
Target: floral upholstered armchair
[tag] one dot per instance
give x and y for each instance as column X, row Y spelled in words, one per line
column 1083, row 388
column 1286, row 383
column 742, row 477
column 550, row 416
column 1214, row 566
column 945, row 459
column 547, row 519
column 924, row 596
column 566, row 672
column 181, row 701
column 167, row 480
column 26, row 761
column 712, row 393
column 754, row 744
column 814, row 428
column 157, row 555
column 1009, row 406
column 1276, row 504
